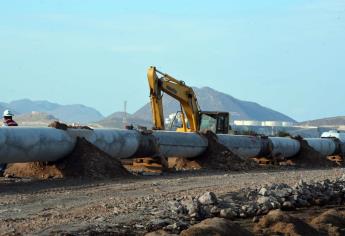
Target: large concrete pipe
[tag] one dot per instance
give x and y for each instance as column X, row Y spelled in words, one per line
column 243, row 145
column 19, row 144
column 132, row 143
column 117, row 143
column 284, row 147
column 177, row 144
column 325, row 146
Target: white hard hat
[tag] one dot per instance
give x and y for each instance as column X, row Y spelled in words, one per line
column 8, row 113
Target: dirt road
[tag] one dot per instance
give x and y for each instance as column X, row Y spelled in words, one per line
column 121, row 205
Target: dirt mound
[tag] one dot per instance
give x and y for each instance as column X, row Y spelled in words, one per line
column 308, row 157
column 331, row 222
column 85, row 161
column 280, row 223
column 59, row 125
column 219, row 157
column 216, row 227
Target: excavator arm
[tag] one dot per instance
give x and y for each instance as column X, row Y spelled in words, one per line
column 160, row 82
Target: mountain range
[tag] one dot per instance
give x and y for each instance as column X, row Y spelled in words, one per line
column 67, row 113
column 212, row 100
column 329, row 121
column 209, row 99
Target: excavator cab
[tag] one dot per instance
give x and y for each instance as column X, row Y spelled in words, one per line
column 217, row 122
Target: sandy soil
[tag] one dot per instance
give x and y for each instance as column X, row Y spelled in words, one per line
column 123, row 205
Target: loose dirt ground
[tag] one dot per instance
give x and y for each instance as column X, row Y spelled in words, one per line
column 121, row 205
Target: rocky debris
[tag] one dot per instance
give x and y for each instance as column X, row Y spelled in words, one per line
column 208, row 198
column 261, row 200
column 216, row 227
column 278, row 222
column 86, row 161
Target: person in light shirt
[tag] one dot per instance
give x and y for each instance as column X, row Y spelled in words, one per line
column 8, row 121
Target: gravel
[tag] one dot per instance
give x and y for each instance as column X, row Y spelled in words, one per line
column 172, row 202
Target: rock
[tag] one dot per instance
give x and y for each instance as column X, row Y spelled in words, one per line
column 177, row 207
column 215, row 210
column 158, row 224
column 263, row 200
column 216, row 227
column 228, row 213
column 287, row 206
column 208, row 198
column 282, row 193
column 302, row 203
column 263, row 192
column 192, row 207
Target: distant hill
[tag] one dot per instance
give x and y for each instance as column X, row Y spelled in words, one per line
column 35, row 119
column 212, row 100
column 115, row 120
column 330, row 121
column 66, row 113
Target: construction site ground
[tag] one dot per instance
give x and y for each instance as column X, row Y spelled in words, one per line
column 124, row 205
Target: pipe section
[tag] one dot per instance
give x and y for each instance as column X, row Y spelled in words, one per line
column 117, row 143
column 19, row 144
column 242, row 145
column 325, row 146
column 285, row 147
column 177, row 144
column 23, row 144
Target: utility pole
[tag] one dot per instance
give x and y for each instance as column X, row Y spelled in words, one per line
column 124, row 121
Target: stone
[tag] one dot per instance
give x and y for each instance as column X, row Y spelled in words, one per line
column 263, row 191
column 192, row 207
column 208, row 198
column 215, row 210
column 228, row 213
column 287, row 206
column 262, row 200
column 158, row 224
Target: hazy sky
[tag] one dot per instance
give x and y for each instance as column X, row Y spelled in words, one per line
column 288, row 55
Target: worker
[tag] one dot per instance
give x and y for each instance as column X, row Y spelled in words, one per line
column 8, row 121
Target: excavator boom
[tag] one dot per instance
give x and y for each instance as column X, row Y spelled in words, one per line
column 176, row 89
column 160, row 83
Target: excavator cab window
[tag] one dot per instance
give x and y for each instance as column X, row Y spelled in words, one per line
column 217, row 122
column 208, row 123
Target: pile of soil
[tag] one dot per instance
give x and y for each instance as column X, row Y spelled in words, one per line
column 277, row 222
column 331, row 222
column 308, row 157
column 63, row 126
column 86, row 161
column 217, row 157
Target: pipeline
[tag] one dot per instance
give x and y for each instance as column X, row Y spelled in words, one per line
column 22, row 144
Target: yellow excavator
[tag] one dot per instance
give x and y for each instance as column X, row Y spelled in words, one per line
column 192, row 118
